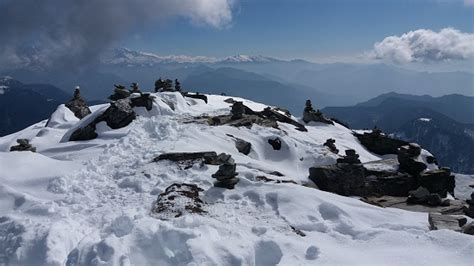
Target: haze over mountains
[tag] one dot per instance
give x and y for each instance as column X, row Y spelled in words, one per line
column 327, row 84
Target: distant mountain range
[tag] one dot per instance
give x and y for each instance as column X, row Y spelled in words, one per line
column 443, row 125
column 344, row 84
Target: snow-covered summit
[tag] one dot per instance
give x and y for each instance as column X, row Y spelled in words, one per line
column 128, row 57
column 90, row 202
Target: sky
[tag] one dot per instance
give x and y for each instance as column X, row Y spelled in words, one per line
column 59, row 33
column 308, row 29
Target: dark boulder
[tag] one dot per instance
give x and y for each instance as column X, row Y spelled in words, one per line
column 238, row 110
column 422, row 196
column 119, row 114
column 469, row 211
column 243, row 146
column 269, row 113
column 23, row 145
column 275, row 143
column 77, row 105
column 84, row 133
column 438, row 181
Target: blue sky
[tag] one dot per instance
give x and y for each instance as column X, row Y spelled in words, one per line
column 308, row 29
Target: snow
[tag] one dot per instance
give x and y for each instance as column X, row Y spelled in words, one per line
column 89, row 202
column 2, row 89
column 425, row 119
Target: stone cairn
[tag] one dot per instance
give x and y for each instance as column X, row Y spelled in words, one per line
column 238, row 110
column 331, row 144
column 407, row 158
column 226, row 175
column 351, row 157
column 77, row 105
column 120, row 92
column 135, row 88
column 23, row 145
column 309, row 114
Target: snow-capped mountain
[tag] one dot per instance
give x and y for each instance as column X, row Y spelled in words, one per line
column 110, row 200
column 128, row 57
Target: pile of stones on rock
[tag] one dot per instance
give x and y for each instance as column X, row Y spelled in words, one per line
column 351, row 157
column 310, row 115
column 23, row 145
column 331, row 144
column 226, row 175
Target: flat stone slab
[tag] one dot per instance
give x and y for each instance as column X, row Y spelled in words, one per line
column 455, row 208
column 451, row 222
column 208, row 157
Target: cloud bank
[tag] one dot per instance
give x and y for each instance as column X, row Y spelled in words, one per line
column 426, row 46
column 59, row 33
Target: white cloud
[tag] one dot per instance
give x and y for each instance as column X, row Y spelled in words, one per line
column 469, row 2
column 426, row 46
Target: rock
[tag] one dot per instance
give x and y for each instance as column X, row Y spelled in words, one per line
column 119, row 114
column 468, row 229
column 144, row 100
column 85, row 133
column 269, row 113
column 469, row 211
column 342, row 179
column 407, row 156
column 276, row 143
column 309, row 114
column 208, row 157
column 439, row 221
column 351, row 157
column 422, row 196
column 229, row 100
column 23, row 145
column 177, row 200
column 354, row 180
column 455, row 207
column 438, row 181
column 379, row 143
column 77, row 105
column 243, row 146
column 431, row 160
column 120, row 92
column 331, row 144
column 226, row 175
column 195, row 96
column 238, row 110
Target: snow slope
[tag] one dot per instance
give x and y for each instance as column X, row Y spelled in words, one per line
column 89, row 202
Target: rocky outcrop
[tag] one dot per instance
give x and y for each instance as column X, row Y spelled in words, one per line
column 242, row 115
column 77, row 105
column 423, row 196
column 226, row 175
column 23, row 145
column 207, row 157
column 310, row 115
column 379, row 143
column 177, row 200
column 118, row 115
